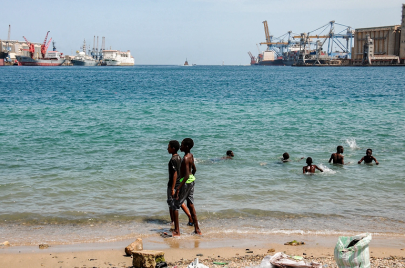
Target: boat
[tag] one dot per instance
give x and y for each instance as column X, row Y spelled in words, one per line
column 186, row 63
column 81, row 59
column 117, row 58
column 49, row 58
column 52, row 58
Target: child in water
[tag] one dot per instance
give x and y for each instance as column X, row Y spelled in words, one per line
column 310, row 168
column 368, row 158
column 286, row 158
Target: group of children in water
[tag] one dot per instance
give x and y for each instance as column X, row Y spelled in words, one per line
column 182, row 189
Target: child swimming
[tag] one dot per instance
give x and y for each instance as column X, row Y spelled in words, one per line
column 310, row 168
column 368, row 158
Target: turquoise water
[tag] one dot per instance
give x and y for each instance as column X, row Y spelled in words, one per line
column 86, row 147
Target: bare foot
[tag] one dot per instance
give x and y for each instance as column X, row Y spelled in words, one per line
column 175, row 233
column 197, row 231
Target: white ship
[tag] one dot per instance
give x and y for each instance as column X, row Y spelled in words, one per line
column 117, row 58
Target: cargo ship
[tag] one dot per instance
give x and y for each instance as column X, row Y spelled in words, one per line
column 52, row 58
column 117, row 58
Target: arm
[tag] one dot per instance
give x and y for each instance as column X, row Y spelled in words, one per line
column 193, row 168
column 185, row 177
column 303, row 170
column 174, row 182
column 361, row 160
column 331, row 157
column 318, row 168
column 376, row 162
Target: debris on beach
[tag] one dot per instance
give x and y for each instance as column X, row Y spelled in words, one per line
column 196, row 264
column 5, row 243
column 352, row 251
column 43, row 246
column 147, row 258
column 294, row 243
column 283, row 260
column 271, row 250
column 136, row 245
column 256, row 261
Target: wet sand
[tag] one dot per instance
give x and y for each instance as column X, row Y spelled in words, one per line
column 385, row 251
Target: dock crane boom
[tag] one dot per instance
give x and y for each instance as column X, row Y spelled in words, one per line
column 31, row 47
column 44, row 46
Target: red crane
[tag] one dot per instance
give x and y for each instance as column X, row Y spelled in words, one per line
column 253, row 60
column 44, row 46
column 31, row 48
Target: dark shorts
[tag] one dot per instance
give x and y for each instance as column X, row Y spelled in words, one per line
column 186, row 193
column 169, row 197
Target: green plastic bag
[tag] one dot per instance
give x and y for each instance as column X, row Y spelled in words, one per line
column 352, row 251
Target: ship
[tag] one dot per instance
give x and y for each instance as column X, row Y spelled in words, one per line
column 117, row 58
column 52, row 58
column 81, row 59
column 49, row 58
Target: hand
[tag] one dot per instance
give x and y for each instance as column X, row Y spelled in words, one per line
column 359, row 162
column 377, row 163
column 173, row 192
column 176, row 195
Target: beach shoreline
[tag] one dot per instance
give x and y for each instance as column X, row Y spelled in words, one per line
column 181, row 251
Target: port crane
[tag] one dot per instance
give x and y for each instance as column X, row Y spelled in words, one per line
column 44, row 46
column 308, row 44
column 31, row 48
column 252, row 58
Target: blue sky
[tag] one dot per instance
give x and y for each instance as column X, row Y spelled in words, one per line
column 166, row 32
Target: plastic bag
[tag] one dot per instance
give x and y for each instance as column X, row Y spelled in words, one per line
column 195, row 264
column 352, row 251
column 282, row 260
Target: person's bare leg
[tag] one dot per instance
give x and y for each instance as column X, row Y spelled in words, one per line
column 171, row 216
column 185, row 209
column 194, row 215
column 176, row 231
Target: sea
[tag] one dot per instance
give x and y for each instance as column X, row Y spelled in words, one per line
column 83, row 150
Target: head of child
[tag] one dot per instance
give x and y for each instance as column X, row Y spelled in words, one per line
column 339, row 149
column 369, row 152
column 186, row 145
column 286, row 156
column 229, row 153
column 309, row 161
column 173, row 147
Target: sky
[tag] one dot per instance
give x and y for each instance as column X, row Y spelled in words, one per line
column 205, row 32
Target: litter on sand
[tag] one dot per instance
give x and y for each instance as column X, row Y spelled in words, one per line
column 195, row 264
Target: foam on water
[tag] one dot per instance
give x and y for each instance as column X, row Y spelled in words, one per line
column 326, row 170
column 352, row 144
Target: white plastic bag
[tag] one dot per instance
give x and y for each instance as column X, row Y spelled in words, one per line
column 195, row 264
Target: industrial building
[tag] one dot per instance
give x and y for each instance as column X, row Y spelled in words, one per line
column 380, row 45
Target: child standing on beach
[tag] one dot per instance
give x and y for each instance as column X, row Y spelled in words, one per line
column 174, row 179
column 337, row 157
column 310, row 168
column 368, row 158
column 185, row 190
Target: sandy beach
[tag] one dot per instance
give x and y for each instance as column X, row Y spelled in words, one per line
column 385, row 251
